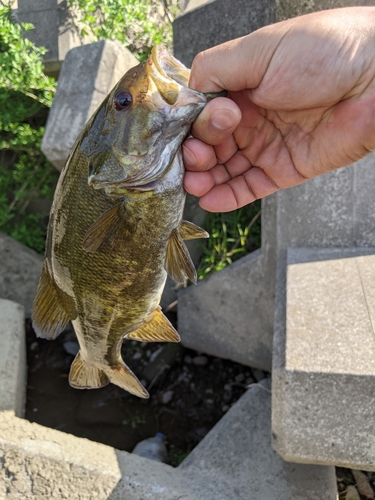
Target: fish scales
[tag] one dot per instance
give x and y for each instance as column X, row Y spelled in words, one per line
column 116, row 224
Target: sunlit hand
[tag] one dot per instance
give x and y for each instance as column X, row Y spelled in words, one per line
column 302, row 103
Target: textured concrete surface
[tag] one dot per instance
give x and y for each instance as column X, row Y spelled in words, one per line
column 223, row 314
column 215, row 22
column 37, row 462
column 20, row 269
column 236, row 461
column 12, row 357
column 77, row 97
column 323, row 366
column 55, row 28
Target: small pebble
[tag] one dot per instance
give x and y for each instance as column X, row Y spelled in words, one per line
column 155, row 354
column 187, row 359
column 34, row 346
column 192, row 385
column 167, row 397
column 250, row 380
column 224, row 408
column 258, row 374
column 210, row 401
column 228, row 387
column 148, row 353
column 71, row 348
column 35, row 410
column 200, row 360
column 239, row 378
column 144, row 382
column 209, row 391
column 137, row 355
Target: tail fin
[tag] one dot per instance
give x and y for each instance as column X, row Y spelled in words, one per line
column 84, row 376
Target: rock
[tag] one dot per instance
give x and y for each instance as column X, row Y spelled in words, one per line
column 71, row 348
column 167, row 397
column 363, row 484
column 258, row 375
column 187, row 359
column 200, row 360
column 137, row 355
column 165, row 358
column 240, row 378
column 155, row 354
column 352, row 493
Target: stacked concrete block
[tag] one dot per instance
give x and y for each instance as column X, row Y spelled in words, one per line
column 88, row 74
column 236, row 461
column 12, row 358
column 286, row 9
column 208, row 23
column 323, row 367
column 20, row 269
column 55, row 28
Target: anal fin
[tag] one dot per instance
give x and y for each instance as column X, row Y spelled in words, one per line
column 178, row 263
column 189, row 231
column 84, row 376
column 156, row 329
column 122, row 376
column 49, row 317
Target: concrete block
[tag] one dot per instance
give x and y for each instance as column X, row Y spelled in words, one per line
column 210, row 23
column 37, row 462
column 88, row 74
column 12, row 357
column 236, row 461
column 286, row 9
column 323, row 362
column 224, row 315
column 55, row 28
column 20, row 269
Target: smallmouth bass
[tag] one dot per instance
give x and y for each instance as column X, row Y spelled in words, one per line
column 116, row 225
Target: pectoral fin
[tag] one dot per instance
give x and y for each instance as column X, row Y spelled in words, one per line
column 178, row 263
column 157, row 329
column 52, row 311
column 109, row 232
column 189, row 231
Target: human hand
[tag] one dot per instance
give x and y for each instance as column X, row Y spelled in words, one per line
column 302, row 103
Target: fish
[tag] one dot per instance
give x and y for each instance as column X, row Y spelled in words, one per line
column 116, row 229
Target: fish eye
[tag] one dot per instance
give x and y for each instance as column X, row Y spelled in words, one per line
column 122, row 100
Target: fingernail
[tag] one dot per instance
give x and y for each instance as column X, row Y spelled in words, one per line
column 189, row 157
column 222, row 120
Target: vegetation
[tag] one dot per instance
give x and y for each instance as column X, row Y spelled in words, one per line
column 138, row 24
column 25, row 95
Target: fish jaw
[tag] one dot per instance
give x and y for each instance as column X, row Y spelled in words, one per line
column 135, row 146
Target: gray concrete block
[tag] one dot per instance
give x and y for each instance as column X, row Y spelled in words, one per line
column 88, row 74
column 215, row 22
column 55, row 28
column 226, row 315
column 20, row 269
column 37, row 462
column 12, row 357
column 237, row 457
column 286, row 9
column 323, row 366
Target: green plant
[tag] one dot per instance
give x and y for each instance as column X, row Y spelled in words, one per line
column 232, row 235
column 138, row 24
column 25, row 95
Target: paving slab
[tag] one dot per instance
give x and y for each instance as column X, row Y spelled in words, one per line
column 323, row 361
column 224, row 314
column 20, row 269
column 210, row 23
column 12, row 357
column 88, row 73
column 236, row 461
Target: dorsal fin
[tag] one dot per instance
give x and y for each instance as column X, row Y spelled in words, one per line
column 178, row 263
column 52, row 310
column 189, row 231
column 156, row 329
column 110, row 232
